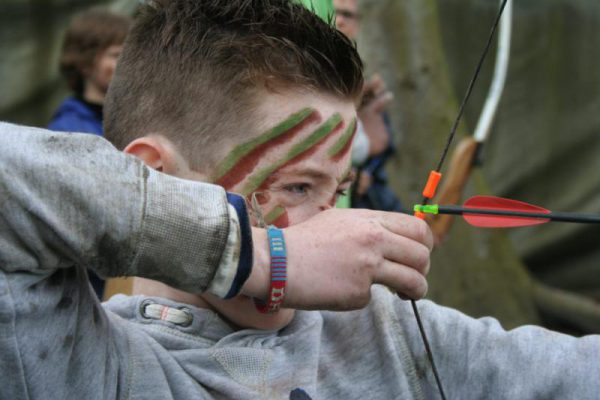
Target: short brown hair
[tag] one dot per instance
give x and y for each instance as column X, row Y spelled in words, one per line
column 194, row 71
column 89, row 33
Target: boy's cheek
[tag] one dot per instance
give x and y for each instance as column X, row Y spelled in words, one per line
column 282, row 220
column 296, row 215
column 280, row 216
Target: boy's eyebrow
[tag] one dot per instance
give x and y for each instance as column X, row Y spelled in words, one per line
column 317, row 174
column 310, row 172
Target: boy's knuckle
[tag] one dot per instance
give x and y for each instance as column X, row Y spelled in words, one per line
column 420, row 231
column 421, row 288
column 416, row 286
column 422, row 259
column 370, row 262
column 424, row 234
column 373, row 237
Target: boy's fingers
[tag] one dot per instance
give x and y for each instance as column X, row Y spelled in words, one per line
column 408, row 253
column 409, row 227
column 405, row 281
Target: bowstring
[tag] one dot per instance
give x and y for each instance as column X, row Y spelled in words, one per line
column 451, row 136
column 461, row 109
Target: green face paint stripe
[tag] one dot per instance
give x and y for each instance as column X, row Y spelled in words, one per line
column 341, row 143
column 244, row 149
column 257, row 179
column 274, row 214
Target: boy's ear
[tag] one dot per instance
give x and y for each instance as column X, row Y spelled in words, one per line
column 158, row 153
column 147, row 149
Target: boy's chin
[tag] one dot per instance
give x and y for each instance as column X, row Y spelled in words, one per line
column 269, row 322
column 242, row 312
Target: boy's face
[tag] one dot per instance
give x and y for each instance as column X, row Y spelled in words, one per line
column 291, row 169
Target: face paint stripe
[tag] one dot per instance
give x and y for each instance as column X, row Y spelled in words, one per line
column 283, row 221
column 246, row 150
column 256, row 180
column 250, row 161
column 274, row 214
column 341, row 146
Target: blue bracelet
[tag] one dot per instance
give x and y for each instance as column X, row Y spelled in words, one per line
column 278, row 271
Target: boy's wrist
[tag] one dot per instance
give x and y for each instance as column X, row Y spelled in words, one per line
column 278, row 269
column 258, row 283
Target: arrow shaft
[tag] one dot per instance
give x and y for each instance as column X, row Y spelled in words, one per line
column 554, row 216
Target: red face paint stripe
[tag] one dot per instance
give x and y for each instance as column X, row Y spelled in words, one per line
column 274, row 214
column 296, row 153
column 244, row 158
column 341, row 147
column 281, row 220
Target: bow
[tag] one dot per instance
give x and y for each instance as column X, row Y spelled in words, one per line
column 468, row 151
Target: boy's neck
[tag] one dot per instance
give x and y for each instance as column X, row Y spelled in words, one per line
column 148, row 287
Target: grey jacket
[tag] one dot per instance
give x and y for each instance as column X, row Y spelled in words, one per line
column 58, row 342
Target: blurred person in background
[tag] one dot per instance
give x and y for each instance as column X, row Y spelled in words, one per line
column 91, row 47
column 371, row 189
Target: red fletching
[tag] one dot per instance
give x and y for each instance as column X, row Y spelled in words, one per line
column 502, row 221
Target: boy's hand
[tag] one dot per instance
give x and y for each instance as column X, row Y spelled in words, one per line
column 335, row 257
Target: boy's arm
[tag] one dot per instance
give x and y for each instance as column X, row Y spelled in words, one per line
column 68, row 202
column 477, row 358
column 73, row 200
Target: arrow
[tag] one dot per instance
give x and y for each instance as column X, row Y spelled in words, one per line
column 497, row 212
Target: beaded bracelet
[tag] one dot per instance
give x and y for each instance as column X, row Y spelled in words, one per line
column 278, row 272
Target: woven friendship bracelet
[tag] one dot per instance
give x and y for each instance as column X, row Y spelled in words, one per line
column 278, row 272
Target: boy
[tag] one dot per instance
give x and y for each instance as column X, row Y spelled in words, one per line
column 287, row 84
column 284, row 144
column 91, row 47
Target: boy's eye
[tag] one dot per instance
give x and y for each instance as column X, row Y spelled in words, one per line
column 295, row 194
column 300, row 189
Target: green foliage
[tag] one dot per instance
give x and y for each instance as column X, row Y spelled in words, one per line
column 323, row 8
